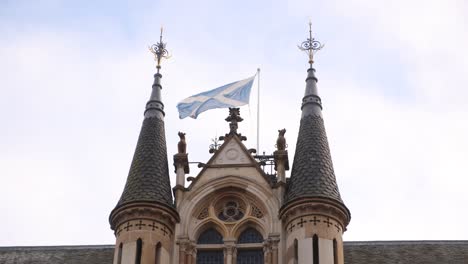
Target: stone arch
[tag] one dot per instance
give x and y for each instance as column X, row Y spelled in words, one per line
column 205, row 225
column 249, row 223
column 201, row 196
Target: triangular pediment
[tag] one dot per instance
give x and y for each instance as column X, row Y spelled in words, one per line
column 232, row 158
column 232, row 152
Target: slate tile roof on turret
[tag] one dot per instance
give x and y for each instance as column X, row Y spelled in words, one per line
column 312, row 173
column 148, row 179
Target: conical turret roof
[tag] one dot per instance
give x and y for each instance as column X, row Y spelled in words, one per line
column 148, row 178
column 312, row 172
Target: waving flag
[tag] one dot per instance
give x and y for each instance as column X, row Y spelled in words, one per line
column 229, row 95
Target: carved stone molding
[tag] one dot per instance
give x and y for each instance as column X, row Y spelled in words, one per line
column 144, row 225
column 281, row 156
column 315, row 206
column 181, row 160
column 144, row 211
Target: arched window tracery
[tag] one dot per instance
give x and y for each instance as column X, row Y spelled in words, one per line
column 210, row 236
column 250, row 235
column 254, row 253
column 213, row 254
column 235, row 211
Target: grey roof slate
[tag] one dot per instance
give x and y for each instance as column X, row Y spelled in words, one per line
column 312, row 172
column 148, row 179
column 406, row 252
column 365, row 252
column 57, row 255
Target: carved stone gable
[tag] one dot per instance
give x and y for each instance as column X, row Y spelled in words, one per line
column 232, row 153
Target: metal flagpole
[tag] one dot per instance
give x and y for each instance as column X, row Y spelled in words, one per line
column 258, row 111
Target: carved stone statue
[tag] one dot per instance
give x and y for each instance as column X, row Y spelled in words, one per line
column 182, row 145
column 234, row 118
column 281, row 141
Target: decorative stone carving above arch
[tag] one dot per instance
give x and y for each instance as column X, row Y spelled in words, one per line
column 228, row 209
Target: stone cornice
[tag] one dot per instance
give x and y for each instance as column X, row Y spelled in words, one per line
column 315, row 205
column 144, row 210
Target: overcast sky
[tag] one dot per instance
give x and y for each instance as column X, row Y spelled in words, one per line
column 76, row 76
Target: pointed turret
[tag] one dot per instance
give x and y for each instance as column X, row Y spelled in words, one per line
column 312, row 172
column 144, row 218
column 313, row 212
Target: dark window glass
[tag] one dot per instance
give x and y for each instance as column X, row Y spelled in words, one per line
column 296, row 251
column 231, row 212
column 210, row 257
column 335, row 252
column 139, row 246
column 315, row 250
column 250, row 256
column 250, row 235
column 210, row 236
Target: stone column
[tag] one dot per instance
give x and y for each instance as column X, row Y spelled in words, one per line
column 229, row 247
column 281, row 166
column 184, row 249
column 274, row 251
column 234, row 256
column 267, row 253
column 181, row 166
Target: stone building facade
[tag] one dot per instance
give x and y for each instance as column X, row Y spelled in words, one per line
column 232, row 211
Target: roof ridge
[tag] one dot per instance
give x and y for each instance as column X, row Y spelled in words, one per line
column 51, row 247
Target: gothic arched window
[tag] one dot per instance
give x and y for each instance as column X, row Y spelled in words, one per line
column 296, row 252
column 253, row 253
column 210, row 236
column 210, row 254
column 250, row 235
column 335, row 252
column 315, row 249
column 139, row 248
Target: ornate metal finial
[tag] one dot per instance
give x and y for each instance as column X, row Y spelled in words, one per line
column 310, row 46
column 159, row 50
column 214, row 147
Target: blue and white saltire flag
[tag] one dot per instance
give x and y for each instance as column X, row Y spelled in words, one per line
column 229, row 95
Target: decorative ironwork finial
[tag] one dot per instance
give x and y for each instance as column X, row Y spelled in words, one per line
column 214, row 147
column 310, row 46
column 159, row 50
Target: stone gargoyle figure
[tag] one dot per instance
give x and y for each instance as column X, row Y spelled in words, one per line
column 281, row 141
column 182, row 145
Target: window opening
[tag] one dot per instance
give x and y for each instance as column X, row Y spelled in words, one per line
column 250, row 235
column 210, row 236
column 210, row 257
column 315, row 250
column 335, row 252
column 139, row 246
column 296, row 252
column 231, row 212
column 250, row 256
column 157, row 257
